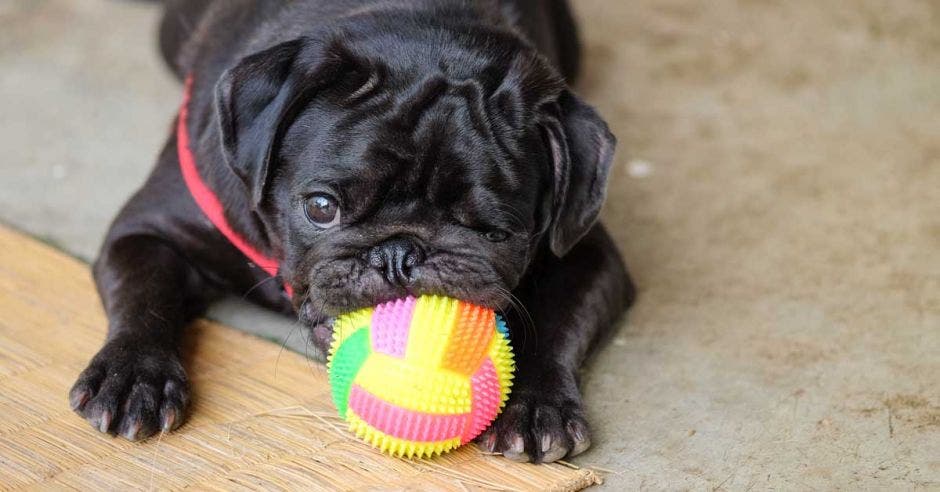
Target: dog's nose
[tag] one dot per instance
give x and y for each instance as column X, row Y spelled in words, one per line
column 396, row 257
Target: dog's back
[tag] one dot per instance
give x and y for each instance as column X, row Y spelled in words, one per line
column 190, row 26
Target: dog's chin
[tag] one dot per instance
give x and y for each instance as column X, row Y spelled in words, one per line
column 323, row 303
column 338, row 287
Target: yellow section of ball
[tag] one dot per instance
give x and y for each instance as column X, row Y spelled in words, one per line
column 413, row 387
column 431, row 327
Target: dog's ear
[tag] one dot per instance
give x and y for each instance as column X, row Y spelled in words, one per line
column 251, row 99
column 581, row 149
column 258, row 99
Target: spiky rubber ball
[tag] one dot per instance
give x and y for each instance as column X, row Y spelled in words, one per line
column 420, row 376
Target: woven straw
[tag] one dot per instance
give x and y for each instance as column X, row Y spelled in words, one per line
column 261, row 417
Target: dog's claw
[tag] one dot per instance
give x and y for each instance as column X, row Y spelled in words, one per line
column 131, row 431
column 168, row 420
column 580, row 436
column 487, row 442
column 78, row 398
column 102, row 421
column 516, row 449
column 552, row 449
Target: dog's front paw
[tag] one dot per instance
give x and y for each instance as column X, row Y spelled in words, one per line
column 132, row 391
column 538, row 426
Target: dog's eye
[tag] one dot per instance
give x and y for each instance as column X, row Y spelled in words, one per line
column 496, row 235
column 322, row 209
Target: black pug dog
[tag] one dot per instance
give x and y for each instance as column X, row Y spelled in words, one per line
column 375, row 149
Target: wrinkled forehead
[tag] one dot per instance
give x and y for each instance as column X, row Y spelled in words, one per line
column 442, row 152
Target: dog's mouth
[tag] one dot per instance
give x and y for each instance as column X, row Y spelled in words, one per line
column 320, row 326
column 320, row 323
column 322, row 334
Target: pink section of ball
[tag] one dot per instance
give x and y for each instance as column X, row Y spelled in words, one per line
column 402, row 423
column 486, row 399
column 390, row 324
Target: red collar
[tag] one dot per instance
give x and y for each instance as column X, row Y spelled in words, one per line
column 207, row 200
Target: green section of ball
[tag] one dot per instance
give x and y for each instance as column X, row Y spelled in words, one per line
column 345, row 364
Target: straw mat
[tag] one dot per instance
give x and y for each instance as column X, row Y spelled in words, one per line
column 261, row 417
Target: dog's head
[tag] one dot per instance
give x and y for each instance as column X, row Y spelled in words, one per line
column 387, row 167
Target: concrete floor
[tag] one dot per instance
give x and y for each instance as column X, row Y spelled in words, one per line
column 777, row 195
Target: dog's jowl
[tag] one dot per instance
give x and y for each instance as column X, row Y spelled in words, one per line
column 362, row 151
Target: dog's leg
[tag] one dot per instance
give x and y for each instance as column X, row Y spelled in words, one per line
column 135, row 385
column 573, row 303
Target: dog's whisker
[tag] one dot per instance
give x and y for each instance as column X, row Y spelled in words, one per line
column 255, row 286
column 528, row 323
column 294, row 326
column 311, row 334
